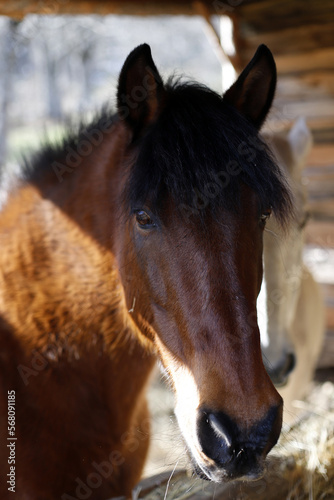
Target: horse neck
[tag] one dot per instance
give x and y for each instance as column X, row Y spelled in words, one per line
column 87, row 193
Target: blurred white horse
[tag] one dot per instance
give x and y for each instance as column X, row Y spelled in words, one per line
column 290, row 306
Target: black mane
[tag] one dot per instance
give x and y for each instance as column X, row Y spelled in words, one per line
column 197, row 139
column 199, row 150
column 40, row 163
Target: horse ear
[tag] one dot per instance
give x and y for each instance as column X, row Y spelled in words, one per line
column 140, row 89
column 252, row 94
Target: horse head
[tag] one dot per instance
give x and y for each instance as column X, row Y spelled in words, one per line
column 283, row 260
column 197, row 187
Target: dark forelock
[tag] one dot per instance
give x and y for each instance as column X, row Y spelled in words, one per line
column 201, row 146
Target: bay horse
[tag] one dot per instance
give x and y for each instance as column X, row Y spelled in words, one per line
column 137, row 238
column 291, row 312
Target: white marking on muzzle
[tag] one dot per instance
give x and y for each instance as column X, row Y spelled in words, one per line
column 187, row 402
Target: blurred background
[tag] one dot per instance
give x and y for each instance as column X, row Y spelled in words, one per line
column 58, row 67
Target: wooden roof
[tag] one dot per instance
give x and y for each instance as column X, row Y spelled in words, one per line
column 301, row 37
column 20, row 8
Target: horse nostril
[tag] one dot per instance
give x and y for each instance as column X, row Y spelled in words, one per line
column 238, row 451
column 221, row 434
column 280, row 373
column 291, row 363
column 216, row 435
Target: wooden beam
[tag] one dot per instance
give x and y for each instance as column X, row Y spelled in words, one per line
column 318, row 79
column 311, row 108
column 297, row 63
column 320, row 234
column 257, row 16
column 320, row 59
column 314, row 85
column 322, row 128
column 213, row 36
column 20, row 8
column 299, row 38
column 322, row 209
column 321, row 156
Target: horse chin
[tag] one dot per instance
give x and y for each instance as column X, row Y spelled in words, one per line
column 217, row 474
column 219, row 450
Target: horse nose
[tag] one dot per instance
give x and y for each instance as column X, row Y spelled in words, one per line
column 279, row 374
column 238, row 452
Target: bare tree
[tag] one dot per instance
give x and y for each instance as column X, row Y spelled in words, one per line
column 7, row 61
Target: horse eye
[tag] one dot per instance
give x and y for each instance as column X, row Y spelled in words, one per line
column 143, row 219
column 265, row 216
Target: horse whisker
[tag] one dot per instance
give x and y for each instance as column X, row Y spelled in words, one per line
column 169, row 480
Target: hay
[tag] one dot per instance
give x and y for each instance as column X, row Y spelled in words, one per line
column 301, row 466
column 308, row 446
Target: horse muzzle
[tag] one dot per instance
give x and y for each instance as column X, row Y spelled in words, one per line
column 280, row 373
column 229, row 452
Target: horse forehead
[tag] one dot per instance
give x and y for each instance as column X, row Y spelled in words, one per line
column 215, row 245
column 207, row 223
